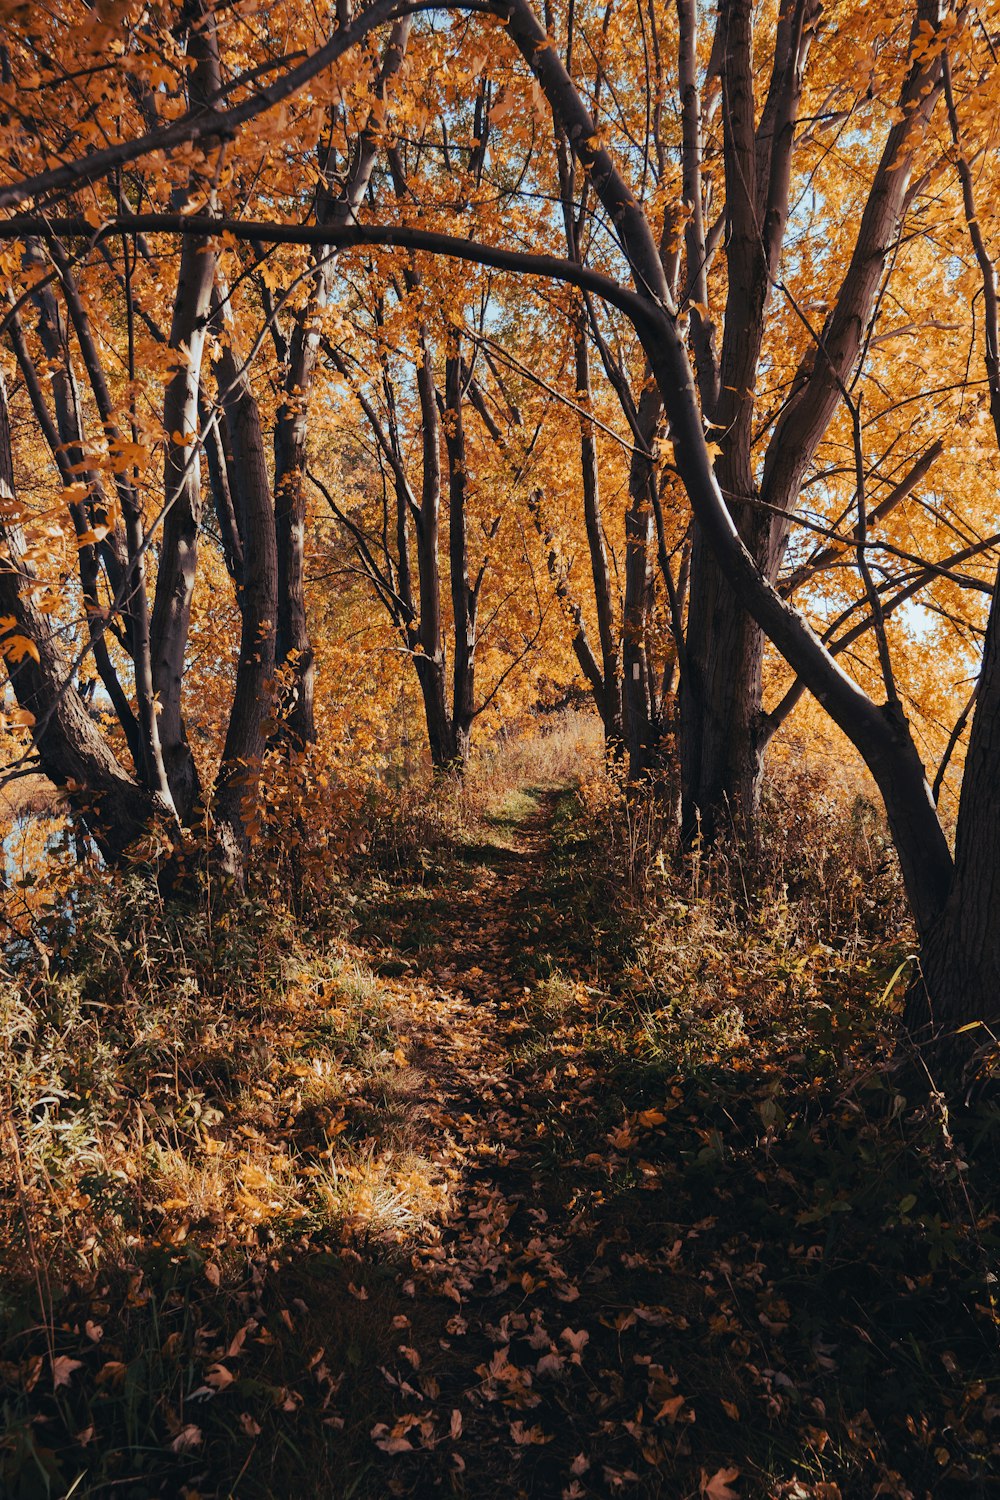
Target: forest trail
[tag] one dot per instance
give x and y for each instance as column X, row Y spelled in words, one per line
column 556, row 1317
column 502, row 1195
column 640, row 1283
column 540, row 1289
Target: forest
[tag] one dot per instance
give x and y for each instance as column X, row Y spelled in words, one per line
column 499, row 749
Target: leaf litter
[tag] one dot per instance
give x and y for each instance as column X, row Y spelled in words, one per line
column 540, row 1258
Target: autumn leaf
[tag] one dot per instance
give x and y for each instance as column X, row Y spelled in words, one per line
column 718, row 1486
column 187, row 1439
column 16, row 647
column 62, row 1370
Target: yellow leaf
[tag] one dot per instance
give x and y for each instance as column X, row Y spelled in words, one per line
column 17, row 647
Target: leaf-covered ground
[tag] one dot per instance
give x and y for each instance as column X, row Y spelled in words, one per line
column 502, row 1199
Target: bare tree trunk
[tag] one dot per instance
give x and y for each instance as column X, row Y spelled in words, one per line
column 171, row 618
column 67, row 445
column 431, row 661
column 253, row 695
column 175, row 579
column 464, row 596
column 960, row 951
column 611, row 658
column 721, row 742
column 639, row 692
column 71, row 747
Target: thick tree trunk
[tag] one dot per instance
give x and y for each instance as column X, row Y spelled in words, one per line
column 434, row 692
column 721, row 743
column 960, row 949
column 71, row 747
column 253, row 695
column 720, row 708
column 175, row 579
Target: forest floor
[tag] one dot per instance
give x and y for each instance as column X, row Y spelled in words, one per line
column 572, row 1244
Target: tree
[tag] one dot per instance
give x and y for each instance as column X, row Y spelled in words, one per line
column 743, row 491
column 409, row 513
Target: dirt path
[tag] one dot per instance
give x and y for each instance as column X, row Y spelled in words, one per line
column 630, row 1283
column 553, row 1362
column 511, row 1195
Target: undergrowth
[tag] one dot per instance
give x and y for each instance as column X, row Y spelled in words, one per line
column 528, row 1156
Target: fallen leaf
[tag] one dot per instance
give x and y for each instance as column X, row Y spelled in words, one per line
column 187, row 1439
column 62, row 1370
column 717, row 1488
column 524, row 1436
column 670, row 1410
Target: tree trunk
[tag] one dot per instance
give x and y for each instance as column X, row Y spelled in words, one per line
column 68, row 447
column 464, row 596
column 720, row 703
column 72, row 750
column 171, row 617
column 253, row 695
column 639, row 691
column 294, row 648
column 431, row 661
column 611, row 661
column 434, row 691
column 960, row 949
column 290, row 434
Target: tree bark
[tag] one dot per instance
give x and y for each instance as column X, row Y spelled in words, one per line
column 464, row 595
column 639, row 689
column 960, row 951
column 71, row 747
column 721, row 747
column 611, row 657
column 253, row 695
column 431, row 661
column 65, row 439
column 175, row 579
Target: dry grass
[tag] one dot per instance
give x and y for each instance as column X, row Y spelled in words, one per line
column 229, row 1147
